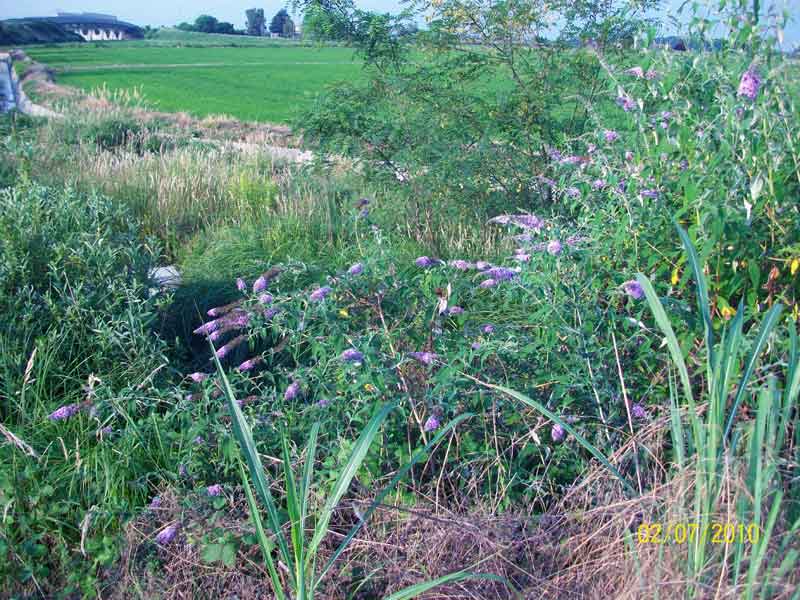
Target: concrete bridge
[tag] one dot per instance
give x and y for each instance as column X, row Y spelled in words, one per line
column 90, row 26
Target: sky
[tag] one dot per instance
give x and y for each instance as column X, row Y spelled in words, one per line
column 171, row 12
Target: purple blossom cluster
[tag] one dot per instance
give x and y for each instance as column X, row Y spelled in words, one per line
column 426, row 358
column 320, row 293
column 65, row 412
column 352, row 355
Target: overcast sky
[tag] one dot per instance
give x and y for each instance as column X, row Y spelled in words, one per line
column 171, row 12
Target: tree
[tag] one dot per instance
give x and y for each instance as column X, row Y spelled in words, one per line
column 206, row 24
column 278, row 22
column 288, row 28
column 256, row 22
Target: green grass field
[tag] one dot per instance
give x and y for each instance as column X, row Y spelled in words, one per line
column 272, row 83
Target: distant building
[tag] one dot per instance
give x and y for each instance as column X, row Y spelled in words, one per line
column 90, row 26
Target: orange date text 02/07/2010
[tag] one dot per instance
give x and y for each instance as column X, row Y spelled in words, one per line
column 691, row 533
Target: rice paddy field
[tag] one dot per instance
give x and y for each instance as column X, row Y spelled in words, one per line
column 273, row 83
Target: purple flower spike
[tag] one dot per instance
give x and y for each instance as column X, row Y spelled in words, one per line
column 292, row 391
column 554, row 247
column 598, row 184
column 166, row 535
column 198, row 377
column 155, row 502
column 522, row 257
column 649, row 193
column 638, row 411
column 432, row 424
column 249, row 365
column 320, row 293
column 207, row 328
column 487, row 329
column 226, row 349
column 488, row 283
column 626, row 102
column 500, row 273
column 426, row 358
column 424, row 262
column 634, row 289
column 356, row 269
column 573, row 192
column 476, row 346
column 324, row 403
column 241, row 284
column 455, row 310
column 557, row 433
column 482, row 265
column 260, row 285
column 65, row 412
column 610, row 135
column 353, row 356
column 637, row 72
column 214, row 490
column 182, row 470
column 461, row 265
column 749, row 84
column 265, row 298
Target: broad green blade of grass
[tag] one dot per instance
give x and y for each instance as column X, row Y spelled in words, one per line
column 760, row 550
column 768, row 323
column 308, row 471
column 586, row 444
column 418, row 455
column 675, row 352
column 245, row 438
column 702, row 297
column 263, row 540
column 417, row 590
column 294, row 508
column 346, row 476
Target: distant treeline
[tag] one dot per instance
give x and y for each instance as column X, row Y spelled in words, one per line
column 35, row 32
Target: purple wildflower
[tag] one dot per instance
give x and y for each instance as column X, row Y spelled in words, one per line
column 198, row 440
column 207, row 328
column 554, row 247
column 155, row 502
column 651, row 75
column 637, row 72
column 638, row 411
column 65, row 412
column 476, row 346
column 268, row 314
column 356, row 269
column 166, row 535
column 749, row 84
column 362, row 202
column 292, row 391
column 628, row 155
column 461, row 265
column 364, row 213
column 634, row 289
column 626, row 102
column 260, row 284
column 226, row 349
column 487, row 329
column 573, row 192
column 684, row 164
column 622, row 185
column 323, row 403
column 426, row 358
column 455, row 310
column 265, row 298
column 190, row 397
column 320, row 293
column 482, row 265
column 107, row 430
column 182, row 470
column 198, row 377
column 598, row 184
column 610, row 135
column 353, row 356
column 591, row 148
column 522, row 257
column 241, row 284
column 214, row 490
column 424, row 262
column 432, row 424
column 650, row 193
column 573, row 160
column 499, row 273
column 250, row 364
column 488, row 283
column 557, row 433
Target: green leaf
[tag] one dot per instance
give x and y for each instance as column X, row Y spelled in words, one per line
column 417, row 590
